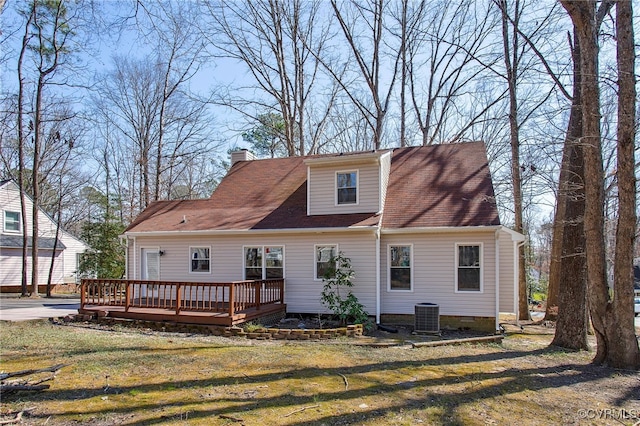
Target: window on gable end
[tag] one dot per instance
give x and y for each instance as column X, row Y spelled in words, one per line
column 12, row 221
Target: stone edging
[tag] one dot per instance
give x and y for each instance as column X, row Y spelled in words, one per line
column 355, row 330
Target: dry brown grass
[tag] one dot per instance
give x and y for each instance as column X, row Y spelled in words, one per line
column 136, row 378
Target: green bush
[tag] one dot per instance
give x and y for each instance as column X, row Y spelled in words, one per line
column 336, row 292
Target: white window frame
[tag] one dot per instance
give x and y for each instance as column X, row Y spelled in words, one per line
column 315, row 258
column 143, row 261
column 4, row 222
column 456, row 267
column 339, row 172
column 264, row 258
column 393, row 290
column 191, row 271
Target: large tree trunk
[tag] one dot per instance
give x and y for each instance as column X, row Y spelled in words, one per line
column 570, row 274
column 612, row 319
column 622, row 343
column 572, row 321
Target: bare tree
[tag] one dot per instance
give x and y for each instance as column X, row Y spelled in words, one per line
column 450, row 55
column 612, row 318
column 142, row 119
column 521, row 56
column 372, row 100
column 47, row 43
column 30, row 15
column 274, row 40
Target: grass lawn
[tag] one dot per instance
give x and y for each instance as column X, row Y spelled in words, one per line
column 131, row 377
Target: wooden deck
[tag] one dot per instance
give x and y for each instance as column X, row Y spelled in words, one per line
column 223, row 304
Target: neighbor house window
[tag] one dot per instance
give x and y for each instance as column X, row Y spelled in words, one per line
column 347, row 187
column 266, row 262
column 12, row 221
column 325, row 260
column 400, row 265
column 200, row 259
column 469, row 267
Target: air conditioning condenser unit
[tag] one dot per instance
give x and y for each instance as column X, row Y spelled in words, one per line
column 427, row 318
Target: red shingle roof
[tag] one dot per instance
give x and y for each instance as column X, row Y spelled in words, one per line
column 440, row 185
column 443, row 185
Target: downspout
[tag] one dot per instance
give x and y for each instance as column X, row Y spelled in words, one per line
column 516, row 248
column 126, row 256
column 497, row 274
column 378, row 275
column 135, row 255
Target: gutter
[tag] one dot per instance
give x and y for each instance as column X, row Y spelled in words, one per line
column 516, row 270
column 126, row 256
column 251, row 231
column 441, row 229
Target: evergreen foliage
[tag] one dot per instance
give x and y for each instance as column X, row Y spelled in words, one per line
column 336, row 292
column 105, row 258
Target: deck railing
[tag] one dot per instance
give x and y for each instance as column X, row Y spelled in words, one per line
column 229, row 298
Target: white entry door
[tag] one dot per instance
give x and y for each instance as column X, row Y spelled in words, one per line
column 150, row 266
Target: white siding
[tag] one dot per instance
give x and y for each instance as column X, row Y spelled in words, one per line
column 506, row 274
column 302, row 292
column 434, row 275
column 322, row 189
column 385, row 170
column 10, row 263
column 11, row 267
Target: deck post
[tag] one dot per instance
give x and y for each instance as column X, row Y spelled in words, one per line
column 281, row 290
column 127, row 296
column 178, row 298
column 83, row 291
column 257, row 285
column 231, row 299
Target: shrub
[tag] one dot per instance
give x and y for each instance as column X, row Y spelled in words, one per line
column 336, row 292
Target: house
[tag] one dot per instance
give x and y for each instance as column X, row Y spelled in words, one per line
column 420, row 224
column 67, row 249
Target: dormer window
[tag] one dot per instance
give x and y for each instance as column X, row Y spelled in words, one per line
column 347, row 187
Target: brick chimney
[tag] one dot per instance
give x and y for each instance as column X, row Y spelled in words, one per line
column 242, row 155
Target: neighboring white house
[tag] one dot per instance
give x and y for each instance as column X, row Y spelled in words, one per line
column 419, row 224
column 67, row 251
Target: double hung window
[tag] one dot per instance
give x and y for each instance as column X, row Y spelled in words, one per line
column 12, row 221
column 200, row 259
column 347, row 187
column 400, row 264
column 468, row 267
column 325, row 260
